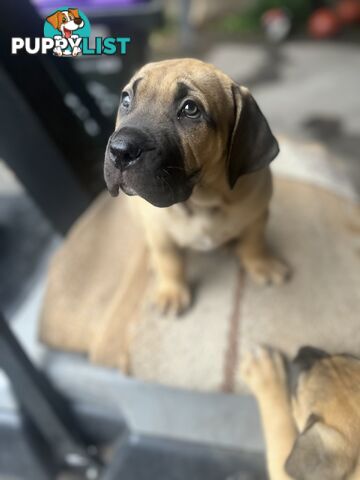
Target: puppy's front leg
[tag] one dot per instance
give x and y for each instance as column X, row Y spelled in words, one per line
column 262, row 266
column 172, row 294
column 264, row 373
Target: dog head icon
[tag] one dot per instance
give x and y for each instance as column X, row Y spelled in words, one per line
column 66, row 21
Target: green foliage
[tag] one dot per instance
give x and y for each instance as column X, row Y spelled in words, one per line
column 233, row 23
column 249, row 20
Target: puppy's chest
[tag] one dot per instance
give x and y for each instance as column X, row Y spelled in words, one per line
column 204, row 228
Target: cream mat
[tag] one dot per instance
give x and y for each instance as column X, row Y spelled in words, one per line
column 97, row 282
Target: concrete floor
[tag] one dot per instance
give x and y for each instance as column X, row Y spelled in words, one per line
column 308, row 91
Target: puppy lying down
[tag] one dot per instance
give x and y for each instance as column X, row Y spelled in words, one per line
column 310, row 414
column 195, row 148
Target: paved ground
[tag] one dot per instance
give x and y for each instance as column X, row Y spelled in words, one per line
column 308, row 91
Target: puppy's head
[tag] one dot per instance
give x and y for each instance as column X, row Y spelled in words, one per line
column 66, row 21
column 181, row 122
column 326, row 407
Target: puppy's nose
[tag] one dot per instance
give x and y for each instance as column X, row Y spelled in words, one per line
column 78, row 21
column 126, row 147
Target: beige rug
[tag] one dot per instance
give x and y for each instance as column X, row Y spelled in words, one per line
column 318, row 233
column 321, row 305
column 97, row 282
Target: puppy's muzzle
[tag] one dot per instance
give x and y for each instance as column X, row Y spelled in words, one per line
column 127, row 147
column 142, row 162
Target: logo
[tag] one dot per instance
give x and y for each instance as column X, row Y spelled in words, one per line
column 67, row 34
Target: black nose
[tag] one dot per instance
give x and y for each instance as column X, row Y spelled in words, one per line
column 305, row 359
column 308, row 356
column 126, row 146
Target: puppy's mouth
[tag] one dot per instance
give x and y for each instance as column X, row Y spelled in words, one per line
column 139, row 164
column 158, row 188
column 126, row 189
column 67, row 32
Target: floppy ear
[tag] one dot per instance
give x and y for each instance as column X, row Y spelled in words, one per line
column 320, row 452
column 252, row 145
column 55, row 20
column 75, row 12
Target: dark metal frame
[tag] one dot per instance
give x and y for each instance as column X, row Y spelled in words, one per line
column 36, row 161
column 45, row 142
column 46, row 413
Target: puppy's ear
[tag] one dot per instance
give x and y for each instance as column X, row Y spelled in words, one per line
column 252, row 144
column 320, row 452
column 75, row 12
column 55, row 19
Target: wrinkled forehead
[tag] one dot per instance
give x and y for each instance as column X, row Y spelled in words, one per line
column 170, row 81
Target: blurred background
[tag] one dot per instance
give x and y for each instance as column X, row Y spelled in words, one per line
column 300, row 58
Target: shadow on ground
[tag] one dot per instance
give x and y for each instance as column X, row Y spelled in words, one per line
column 344, row 146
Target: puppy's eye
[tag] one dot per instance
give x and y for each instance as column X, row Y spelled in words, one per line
column 64, row 20
column 125, row 100
column 190, row 109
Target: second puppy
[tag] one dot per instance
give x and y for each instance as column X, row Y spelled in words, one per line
column 310, row 414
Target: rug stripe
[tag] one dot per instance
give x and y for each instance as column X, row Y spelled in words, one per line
column 232, row 351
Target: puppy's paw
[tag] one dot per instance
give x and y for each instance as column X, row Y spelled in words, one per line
column 57, row 52
column 268, row 270
column 76, row 52
column 172, row 298
column 263, row 371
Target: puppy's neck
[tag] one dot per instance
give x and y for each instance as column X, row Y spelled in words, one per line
column 211, row 191
column 206, row 197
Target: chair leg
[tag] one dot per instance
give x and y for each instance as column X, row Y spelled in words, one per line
column 46, row 411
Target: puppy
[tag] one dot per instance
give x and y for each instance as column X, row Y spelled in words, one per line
column 311, row 417
column 195, row 149
column 67, row 22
